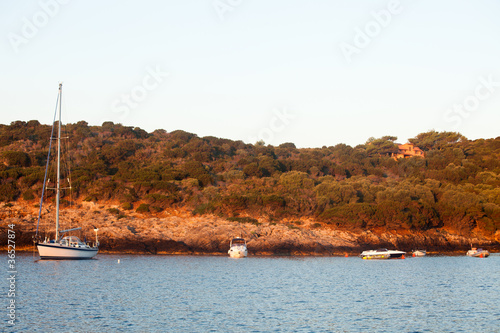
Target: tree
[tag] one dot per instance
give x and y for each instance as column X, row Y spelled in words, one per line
column 16, row 158
column 383, row 146
column 436, row 140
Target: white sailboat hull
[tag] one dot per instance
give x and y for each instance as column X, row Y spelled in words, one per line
column 58, row 251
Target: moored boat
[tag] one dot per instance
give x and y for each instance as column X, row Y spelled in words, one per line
column 68, row 247
column 238, row 248
column 478, row 252
column 382, row 254
column 419, row 253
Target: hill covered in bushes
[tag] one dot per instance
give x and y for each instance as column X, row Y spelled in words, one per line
column 455, row 187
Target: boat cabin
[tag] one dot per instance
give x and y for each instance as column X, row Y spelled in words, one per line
column 72, row 241
column 238, row 241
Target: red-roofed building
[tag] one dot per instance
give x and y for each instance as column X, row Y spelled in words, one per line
column 408, row 150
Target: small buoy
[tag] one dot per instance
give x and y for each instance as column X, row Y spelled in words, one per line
column 346, row 255
column 481, row 255
column 118, row 260
column 402, row 257
column 413, row 254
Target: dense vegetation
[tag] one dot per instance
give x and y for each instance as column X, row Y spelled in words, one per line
column 456, row 185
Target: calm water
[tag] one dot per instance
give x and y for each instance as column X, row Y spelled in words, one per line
column 256, row 294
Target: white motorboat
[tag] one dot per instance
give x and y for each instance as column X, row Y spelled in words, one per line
column 382, row 254
column 238, row 248
column 68, row 247
column 479, row 253
column 419, row 253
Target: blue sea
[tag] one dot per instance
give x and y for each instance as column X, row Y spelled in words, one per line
column 139, row 293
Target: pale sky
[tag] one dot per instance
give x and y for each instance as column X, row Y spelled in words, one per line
column 315, row 73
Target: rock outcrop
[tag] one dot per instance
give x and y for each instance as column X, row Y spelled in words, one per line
column 177, row 232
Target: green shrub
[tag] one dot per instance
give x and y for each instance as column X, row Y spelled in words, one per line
column 166, row 186
column 8, row 191
column 127, row 206
column 245, row 219
column 17, row 158
column 28, row 195
column 143, row 208
column 155, row 209
column 115, row 211
column 234, row 201
column 160, row 200
column 205, row 208
column 91, row 197
column 273, row 201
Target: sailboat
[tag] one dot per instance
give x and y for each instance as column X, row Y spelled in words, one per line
column 61, row 247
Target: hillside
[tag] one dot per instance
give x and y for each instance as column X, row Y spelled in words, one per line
column 131, row 174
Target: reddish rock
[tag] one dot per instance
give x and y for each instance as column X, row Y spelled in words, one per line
column 186, row 234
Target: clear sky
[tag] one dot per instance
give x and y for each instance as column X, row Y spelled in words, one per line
column 315, row 73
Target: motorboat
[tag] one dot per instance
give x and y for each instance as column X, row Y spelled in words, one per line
column 61, row 247
column 419, row 253
column 382, row 254
column 238, row 248
column 478, row 252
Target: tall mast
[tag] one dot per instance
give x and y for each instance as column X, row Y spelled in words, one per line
column 58, row 187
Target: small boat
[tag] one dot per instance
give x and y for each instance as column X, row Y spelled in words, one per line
column 238, row 248
column 68, row 247
column 479, row 253
column 382, row 254
column 419, row 253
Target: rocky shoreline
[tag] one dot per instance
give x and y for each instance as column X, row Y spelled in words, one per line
column 180, row 233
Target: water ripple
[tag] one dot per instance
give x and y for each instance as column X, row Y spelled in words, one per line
column 216, row 294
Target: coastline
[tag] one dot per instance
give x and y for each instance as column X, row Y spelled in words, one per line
column 176, row 232
column 30, row 249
